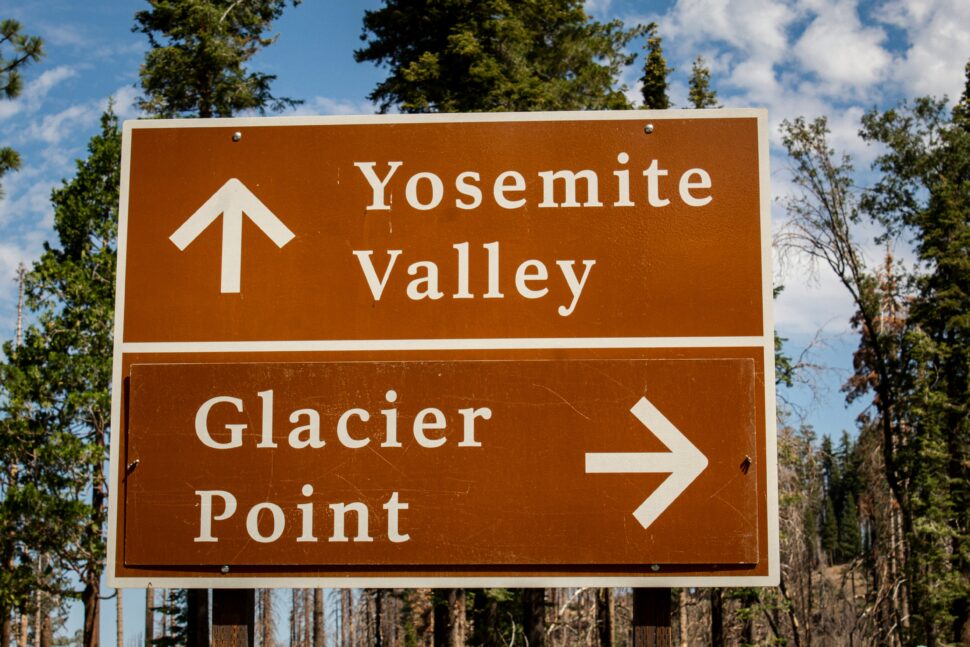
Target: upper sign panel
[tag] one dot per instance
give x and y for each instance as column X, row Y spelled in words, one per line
column 554, row 227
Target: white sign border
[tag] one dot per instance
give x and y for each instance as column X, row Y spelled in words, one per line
column 765, row 341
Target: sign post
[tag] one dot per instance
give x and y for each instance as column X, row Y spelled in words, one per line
column 445, row 350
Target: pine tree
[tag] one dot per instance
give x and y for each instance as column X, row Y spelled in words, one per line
column 701, row 94
column 924, row 194
column 831, row 471
column 25, row 50
column 492, row 55
column 913, row 357
column 961, row 113
column 196, row 64
column 174, row 612
column 830, row 531
column 655, row 73
column 850, row 537
column 59, row 379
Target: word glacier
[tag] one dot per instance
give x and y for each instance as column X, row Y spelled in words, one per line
column 428, row 429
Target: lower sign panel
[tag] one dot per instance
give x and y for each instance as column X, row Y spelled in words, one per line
column 434, row 464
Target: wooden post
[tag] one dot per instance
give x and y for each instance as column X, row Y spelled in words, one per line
column 197, row 627
column 651, row 618
column 233, row 617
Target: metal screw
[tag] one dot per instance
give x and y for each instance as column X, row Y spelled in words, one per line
column 224, row 569
column 648, row 129
column 746, row 464
column 655, row 568
column 236, row 136
column 133, row 464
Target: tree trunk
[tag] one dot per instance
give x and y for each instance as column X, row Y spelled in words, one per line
column 91, row 598
column 24, row 629
column 456, row 617
column 166, row 602
column 346, row 617
column 682, row 610
column 307, row 618
column 319, row 626
column 5, row 626
column 377, row 639
column 449, row 618
column 440, row 630
column 267, row 625
column 534, row 616
column 294, row 617
column 717, row 618
column 748, row 600
column 41, row 611
column 149, row 615
column 604, row 616
column 47, row 631
column 197, row 627
column 120, row 619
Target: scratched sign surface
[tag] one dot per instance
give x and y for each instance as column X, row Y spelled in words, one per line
column 471, row 348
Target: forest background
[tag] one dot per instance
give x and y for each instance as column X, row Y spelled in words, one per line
column 839, row 59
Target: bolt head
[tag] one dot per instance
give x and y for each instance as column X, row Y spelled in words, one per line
column 236, row 136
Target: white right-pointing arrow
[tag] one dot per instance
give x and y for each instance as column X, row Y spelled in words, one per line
column 684, row 462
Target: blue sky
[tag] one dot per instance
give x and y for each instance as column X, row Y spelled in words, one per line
column 794, row 57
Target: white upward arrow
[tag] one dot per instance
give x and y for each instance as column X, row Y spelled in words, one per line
column 684, row 462
column 232, row 200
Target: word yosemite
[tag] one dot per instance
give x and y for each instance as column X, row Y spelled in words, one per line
column 425, row 190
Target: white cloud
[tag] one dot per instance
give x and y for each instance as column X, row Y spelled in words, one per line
column 11, row 256
column 598, row 8
column 36, row 91
column 812, row 299
column 53, row 128
column 844, row 54
column 125, row 99
column 938, row 45
column 63, row 34
column 332, row 106
column 750, row 26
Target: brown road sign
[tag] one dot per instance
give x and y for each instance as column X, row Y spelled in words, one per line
column 465, row 349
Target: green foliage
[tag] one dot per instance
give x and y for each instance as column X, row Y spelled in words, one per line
column 914, row 352
column 784, row 370
column 57, row 384
column 700, row 93
column 655, row 73
column 175, row 608
column 494, row 55
column 24, row 50
column 830, row 530
column 924, row 194
column 199, row 50
column 850, row 536
column 961, row 113
column 493, row 612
